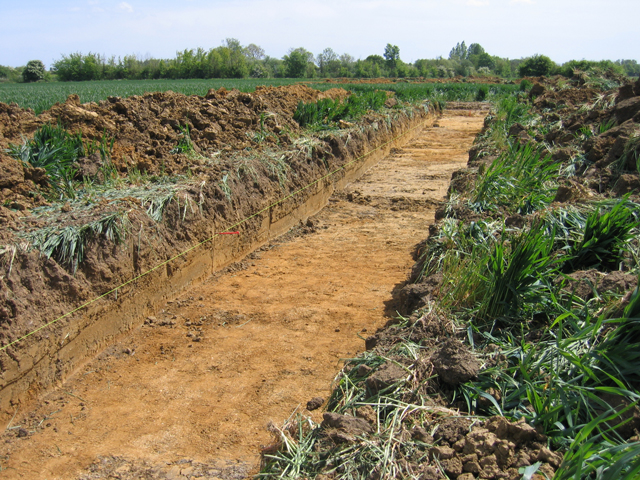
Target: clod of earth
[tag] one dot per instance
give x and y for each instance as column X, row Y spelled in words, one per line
column 454, row 363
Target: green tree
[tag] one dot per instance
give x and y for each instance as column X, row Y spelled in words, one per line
column 475, row 49
column 369, row 68
column 235, row 59
column 347, row 65
column 536, row 66
column 296, row 63
column 483, row 60
column 34, row 71
column 375, row 59
column 9, row 74
column 459, row 52
column 328, row 62
column 275, row 67
column 254, row 52
column 391, row 55
column 631, row 67
column 254, row 56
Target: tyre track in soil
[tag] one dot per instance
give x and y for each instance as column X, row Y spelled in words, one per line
column 190, row 394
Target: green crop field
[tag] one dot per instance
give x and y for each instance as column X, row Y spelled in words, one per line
column 41, row 96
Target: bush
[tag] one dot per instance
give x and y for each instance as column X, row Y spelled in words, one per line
column 482, row 93
column 9, row 74
column 34, row 71
column 536, row 66
column 525, row 85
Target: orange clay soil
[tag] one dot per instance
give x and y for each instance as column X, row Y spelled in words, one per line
column 191, row 393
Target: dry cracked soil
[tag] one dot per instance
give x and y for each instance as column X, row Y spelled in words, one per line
column 192, row 392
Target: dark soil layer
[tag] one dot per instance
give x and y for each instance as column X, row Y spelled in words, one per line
column 248, row 154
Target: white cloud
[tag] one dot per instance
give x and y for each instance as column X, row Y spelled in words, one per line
column 528, row 2
column 477, row 3
column 124, row 6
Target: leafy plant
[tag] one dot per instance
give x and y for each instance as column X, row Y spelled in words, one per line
column 517, row 274
column 525, row 85
column 224, row 185
column 327, row 111
column 606, row 125
column 482, row 94
column 185, row 145
column 521, row 180
column 56, row 151
column 67, row 244
column 603, row 238
column 261, row 135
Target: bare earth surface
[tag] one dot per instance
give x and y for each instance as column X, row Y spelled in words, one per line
column 190, row 394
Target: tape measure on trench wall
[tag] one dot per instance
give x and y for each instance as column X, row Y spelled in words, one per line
column 228, row 231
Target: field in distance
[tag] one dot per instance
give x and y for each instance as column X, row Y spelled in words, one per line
column 42, row 96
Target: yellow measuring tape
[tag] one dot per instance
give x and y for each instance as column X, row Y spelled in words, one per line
column 84, row 305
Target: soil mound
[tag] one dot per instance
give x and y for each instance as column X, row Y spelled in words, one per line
column 146, row 129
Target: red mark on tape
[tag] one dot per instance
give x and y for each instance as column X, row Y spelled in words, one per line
column 228, row 233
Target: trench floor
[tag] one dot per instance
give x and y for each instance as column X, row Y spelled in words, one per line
column 191, row 394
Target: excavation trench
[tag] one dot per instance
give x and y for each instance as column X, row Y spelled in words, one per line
column 191, row 393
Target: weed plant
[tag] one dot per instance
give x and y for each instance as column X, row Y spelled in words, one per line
column 630, row 158
column 67, row 244
column 508, row 110
column 185, row 145
column 521, row 180
column 56, row 151
column 518, row 274
column 602, row 241
column 327, row 111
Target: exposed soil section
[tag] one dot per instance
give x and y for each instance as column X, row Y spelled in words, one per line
column 190, row 394
column 117, row 232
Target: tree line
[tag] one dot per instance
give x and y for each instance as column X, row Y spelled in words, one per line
column 233, row 60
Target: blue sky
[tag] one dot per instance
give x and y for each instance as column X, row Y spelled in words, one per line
column 560, row 29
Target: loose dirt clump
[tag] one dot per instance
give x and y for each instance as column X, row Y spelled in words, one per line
column 454, row 363
column 146, row 129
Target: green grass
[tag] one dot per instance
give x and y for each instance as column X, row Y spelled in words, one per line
column 601, row 243
column 67, row 244
column 521, row 180
column 56, row 151
column 508, row 110
column 327, row 111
